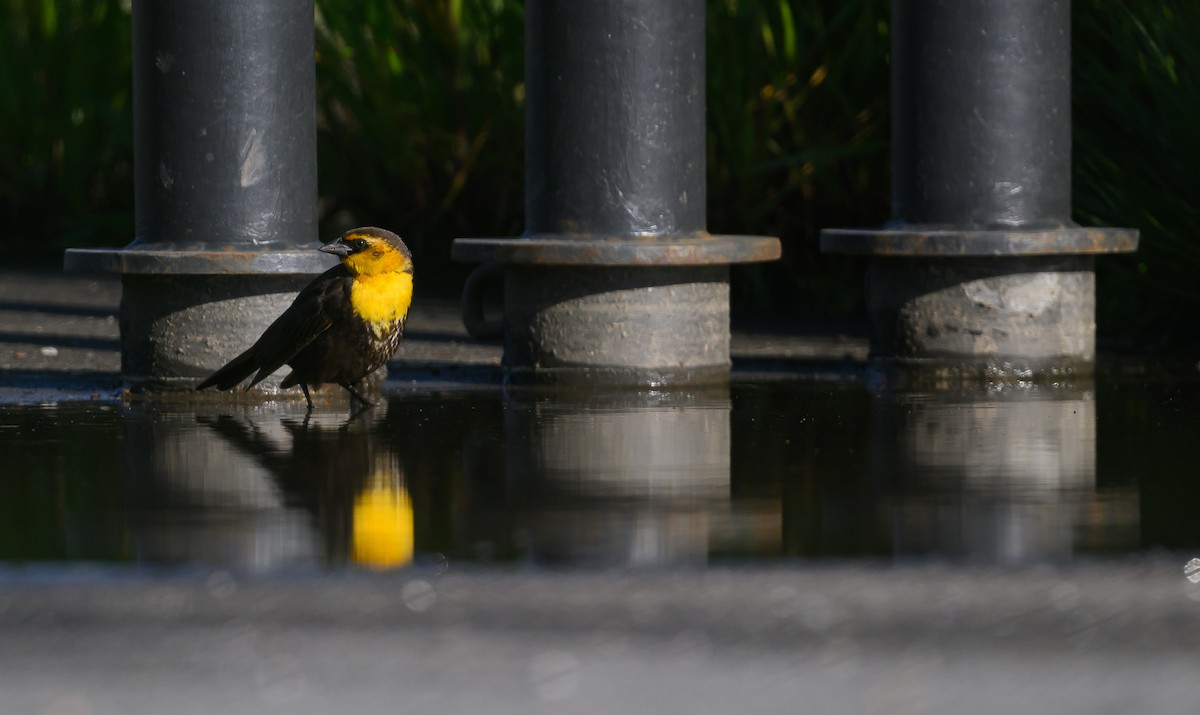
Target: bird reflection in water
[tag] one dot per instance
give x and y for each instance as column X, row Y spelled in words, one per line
column 382, row 520
column 342, row 474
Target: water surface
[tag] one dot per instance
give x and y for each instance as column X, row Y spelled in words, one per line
column 772, row 469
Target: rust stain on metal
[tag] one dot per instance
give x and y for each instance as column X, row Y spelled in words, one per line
column 636, row 250
column 915, row 241
column 165, row 261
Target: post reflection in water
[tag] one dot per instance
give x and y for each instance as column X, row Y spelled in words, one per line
column 756, row 470
column 630, row 478
column 1007, row 475
column 255, row 489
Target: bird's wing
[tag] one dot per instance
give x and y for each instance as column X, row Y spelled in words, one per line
column 308, row 316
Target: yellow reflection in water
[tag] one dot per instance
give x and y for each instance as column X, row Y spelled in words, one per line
column 382, row 523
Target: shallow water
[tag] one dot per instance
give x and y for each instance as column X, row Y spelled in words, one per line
column 771, row 469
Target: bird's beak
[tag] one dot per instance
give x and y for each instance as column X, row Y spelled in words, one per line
column 336, row 248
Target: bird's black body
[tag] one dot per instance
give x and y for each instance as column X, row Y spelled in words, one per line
column 323, row 336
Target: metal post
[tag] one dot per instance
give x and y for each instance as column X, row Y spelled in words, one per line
column 225, row 183
column 616, row 278
column 982, row 268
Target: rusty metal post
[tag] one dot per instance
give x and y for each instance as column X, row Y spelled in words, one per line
column 225, row 183
column 981, row 270
column 616, row 278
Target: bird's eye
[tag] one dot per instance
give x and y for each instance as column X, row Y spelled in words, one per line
column 358, row 244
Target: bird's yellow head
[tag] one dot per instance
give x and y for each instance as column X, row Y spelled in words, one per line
column 371, row 251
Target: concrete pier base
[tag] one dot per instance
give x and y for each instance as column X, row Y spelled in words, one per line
column 1016, row 315
column 185, row 313
column 653, row 326
column 618, row 310
column 178, row 328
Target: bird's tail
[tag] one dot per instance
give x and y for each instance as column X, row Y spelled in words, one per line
column 234, row 372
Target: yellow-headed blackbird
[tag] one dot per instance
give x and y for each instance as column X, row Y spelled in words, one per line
column 343, row 326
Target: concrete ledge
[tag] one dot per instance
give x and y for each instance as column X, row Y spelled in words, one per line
column 1127, row 605
column 1116, row 636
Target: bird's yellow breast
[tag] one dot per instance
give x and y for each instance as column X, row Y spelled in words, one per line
column 382, row 298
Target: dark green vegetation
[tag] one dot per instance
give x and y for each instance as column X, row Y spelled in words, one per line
column 420, row 112
column 1135, row 84
column 66, row 126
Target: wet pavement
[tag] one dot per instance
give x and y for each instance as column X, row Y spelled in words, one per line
column 1088, row 627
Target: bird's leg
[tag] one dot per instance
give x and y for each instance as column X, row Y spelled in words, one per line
column 355, row 394
column 357, row 410
column 307, row 398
